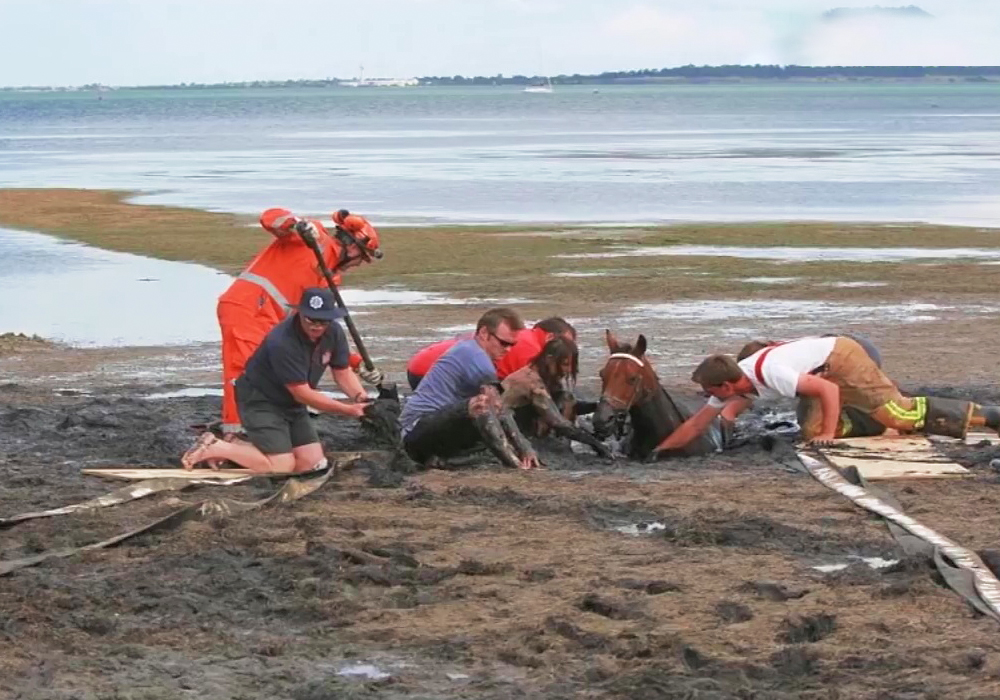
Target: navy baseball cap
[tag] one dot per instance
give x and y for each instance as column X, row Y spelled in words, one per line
column 318, row 303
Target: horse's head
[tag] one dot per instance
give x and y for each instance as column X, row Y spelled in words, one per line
column 627, row 380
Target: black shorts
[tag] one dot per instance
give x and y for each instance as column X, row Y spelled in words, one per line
column 272, row 429
column 443, row 434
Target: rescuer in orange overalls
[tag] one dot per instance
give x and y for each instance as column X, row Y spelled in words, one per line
column 273, row 282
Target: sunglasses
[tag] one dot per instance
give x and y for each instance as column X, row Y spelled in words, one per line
column 504, row 343
column 317, row 321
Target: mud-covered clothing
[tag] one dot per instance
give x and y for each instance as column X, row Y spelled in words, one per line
column 526, row 390
column 456, row 377
column 288, row 356
column 444, row 433
column 271, row 429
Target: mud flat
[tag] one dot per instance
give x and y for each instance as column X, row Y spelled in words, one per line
column 696, row 578
column 728, row 576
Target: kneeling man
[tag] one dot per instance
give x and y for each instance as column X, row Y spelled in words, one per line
column 279, row 383
column 836, row 371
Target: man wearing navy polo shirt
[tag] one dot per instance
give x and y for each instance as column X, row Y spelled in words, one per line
column 279, row 385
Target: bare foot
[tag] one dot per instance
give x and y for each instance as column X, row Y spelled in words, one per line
column 194, row 455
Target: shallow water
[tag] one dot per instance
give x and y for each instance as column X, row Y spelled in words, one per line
column 89, row 297
column 628, row 154
column 796, row 253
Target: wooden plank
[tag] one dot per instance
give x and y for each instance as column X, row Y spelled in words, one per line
column 896, row 457
column 876, row 469
column 339, row 460
column 194, row 474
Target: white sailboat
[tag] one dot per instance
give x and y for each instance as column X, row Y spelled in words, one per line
column 547, row 87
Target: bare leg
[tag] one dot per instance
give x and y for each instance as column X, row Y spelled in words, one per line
column 307, row 456
column 241, row 453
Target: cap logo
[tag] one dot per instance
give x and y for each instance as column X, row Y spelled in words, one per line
column 316, row 302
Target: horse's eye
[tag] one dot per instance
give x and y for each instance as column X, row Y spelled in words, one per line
column 635, row 380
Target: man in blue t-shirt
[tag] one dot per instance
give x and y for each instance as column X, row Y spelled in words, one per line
column 457, row 405
column 277, row 386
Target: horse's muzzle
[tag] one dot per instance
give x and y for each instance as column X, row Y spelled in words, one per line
column 604, row 419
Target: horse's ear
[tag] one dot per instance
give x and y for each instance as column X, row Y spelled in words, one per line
column 611, row 340
column 640, row 346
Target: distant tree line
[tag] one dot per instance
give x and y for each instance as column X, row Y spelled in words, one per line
column 692, row 73
column 689, row 73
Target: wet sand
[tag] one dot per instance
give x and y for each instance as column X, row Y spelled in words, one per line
column 694, row 578
column 691, row 578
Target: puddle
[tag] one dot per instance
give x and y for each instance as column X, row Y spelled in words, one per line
column 859, row 285
column 637, row 529
column 368, row 671
column 796, row 254
column 770, row 280
column 582, row 274
column 710, row 311
column 873, row 562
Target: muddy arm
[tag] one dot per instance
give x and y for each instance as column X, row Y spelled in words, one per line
column 550, row 413
column 522, row 445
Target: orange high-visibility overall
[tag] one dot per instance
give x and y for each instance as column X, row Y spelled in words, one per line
column 264, row 293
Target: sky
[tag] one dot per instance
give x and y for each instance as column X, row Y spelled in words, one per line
column 143, row 42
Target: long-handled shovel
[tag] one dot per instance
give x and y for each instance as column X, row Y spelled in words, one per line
column 386, row 390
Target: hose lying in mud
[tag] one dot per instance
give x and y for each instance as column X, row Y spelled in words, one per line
column 292, row 490
column 132, row 492
column 962, row 569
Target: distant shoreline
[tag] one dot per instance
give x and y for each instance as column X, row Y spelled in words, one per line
column 684, row 75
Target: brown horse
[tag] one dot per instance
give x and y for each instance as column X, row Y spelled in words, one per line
column 629, row 386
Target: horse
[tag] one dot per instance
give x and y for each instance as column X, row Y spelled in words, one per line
column 629, row 385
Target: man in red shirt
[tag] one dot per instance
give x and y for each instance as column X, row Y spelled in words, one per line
column 530, row 342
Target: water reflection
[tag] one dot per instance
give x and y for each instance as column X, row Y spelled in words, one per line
column 86, row 296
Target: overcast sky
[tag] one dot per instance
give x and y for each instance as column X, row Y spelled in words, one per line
column 128, row 42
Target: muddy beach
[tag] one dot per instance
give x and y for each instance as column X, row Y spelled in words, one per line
column 728, row 576
column 590, row 579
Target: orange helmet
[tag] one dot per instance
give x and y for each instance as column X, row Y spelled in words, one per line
column 354, row 230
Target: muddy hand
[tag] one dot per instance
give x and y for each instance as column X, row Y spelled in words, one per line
column 531, row 462
column 821, row 442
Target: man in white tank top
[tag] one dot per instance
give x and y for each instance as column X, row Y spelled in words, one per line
column 835, row 371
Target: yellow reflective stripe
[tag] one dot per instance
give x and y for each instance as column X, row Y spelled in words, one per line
column 916, row 415
column 845, row 426
column 266, row 284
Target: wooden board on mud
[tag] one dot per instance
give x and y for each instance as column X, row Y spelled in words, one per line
column 882, row 458
column 340, row 460
column 127, row 474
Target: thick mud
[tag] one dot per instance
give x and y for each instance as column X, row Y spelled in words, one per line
column 690, row 578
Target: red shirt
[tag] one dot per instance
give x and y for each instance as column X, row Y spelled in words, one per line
column 421, row 363
column 529, row 343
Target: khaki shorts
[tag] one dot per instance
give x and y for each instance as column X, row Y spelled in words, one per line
column 862, row 384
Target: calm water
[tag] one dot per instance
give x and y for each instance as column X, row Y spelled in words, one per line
column 624, row 154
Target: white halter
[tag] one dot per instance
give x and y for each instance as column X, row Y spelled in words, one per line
column 626, row 356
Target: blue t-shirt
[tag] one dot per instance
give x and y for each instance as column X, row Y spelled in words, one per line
column 456, row 377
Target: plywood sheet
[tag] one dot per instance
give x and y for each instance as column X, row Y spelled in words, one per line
column 193, row 474
column 905, row 457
